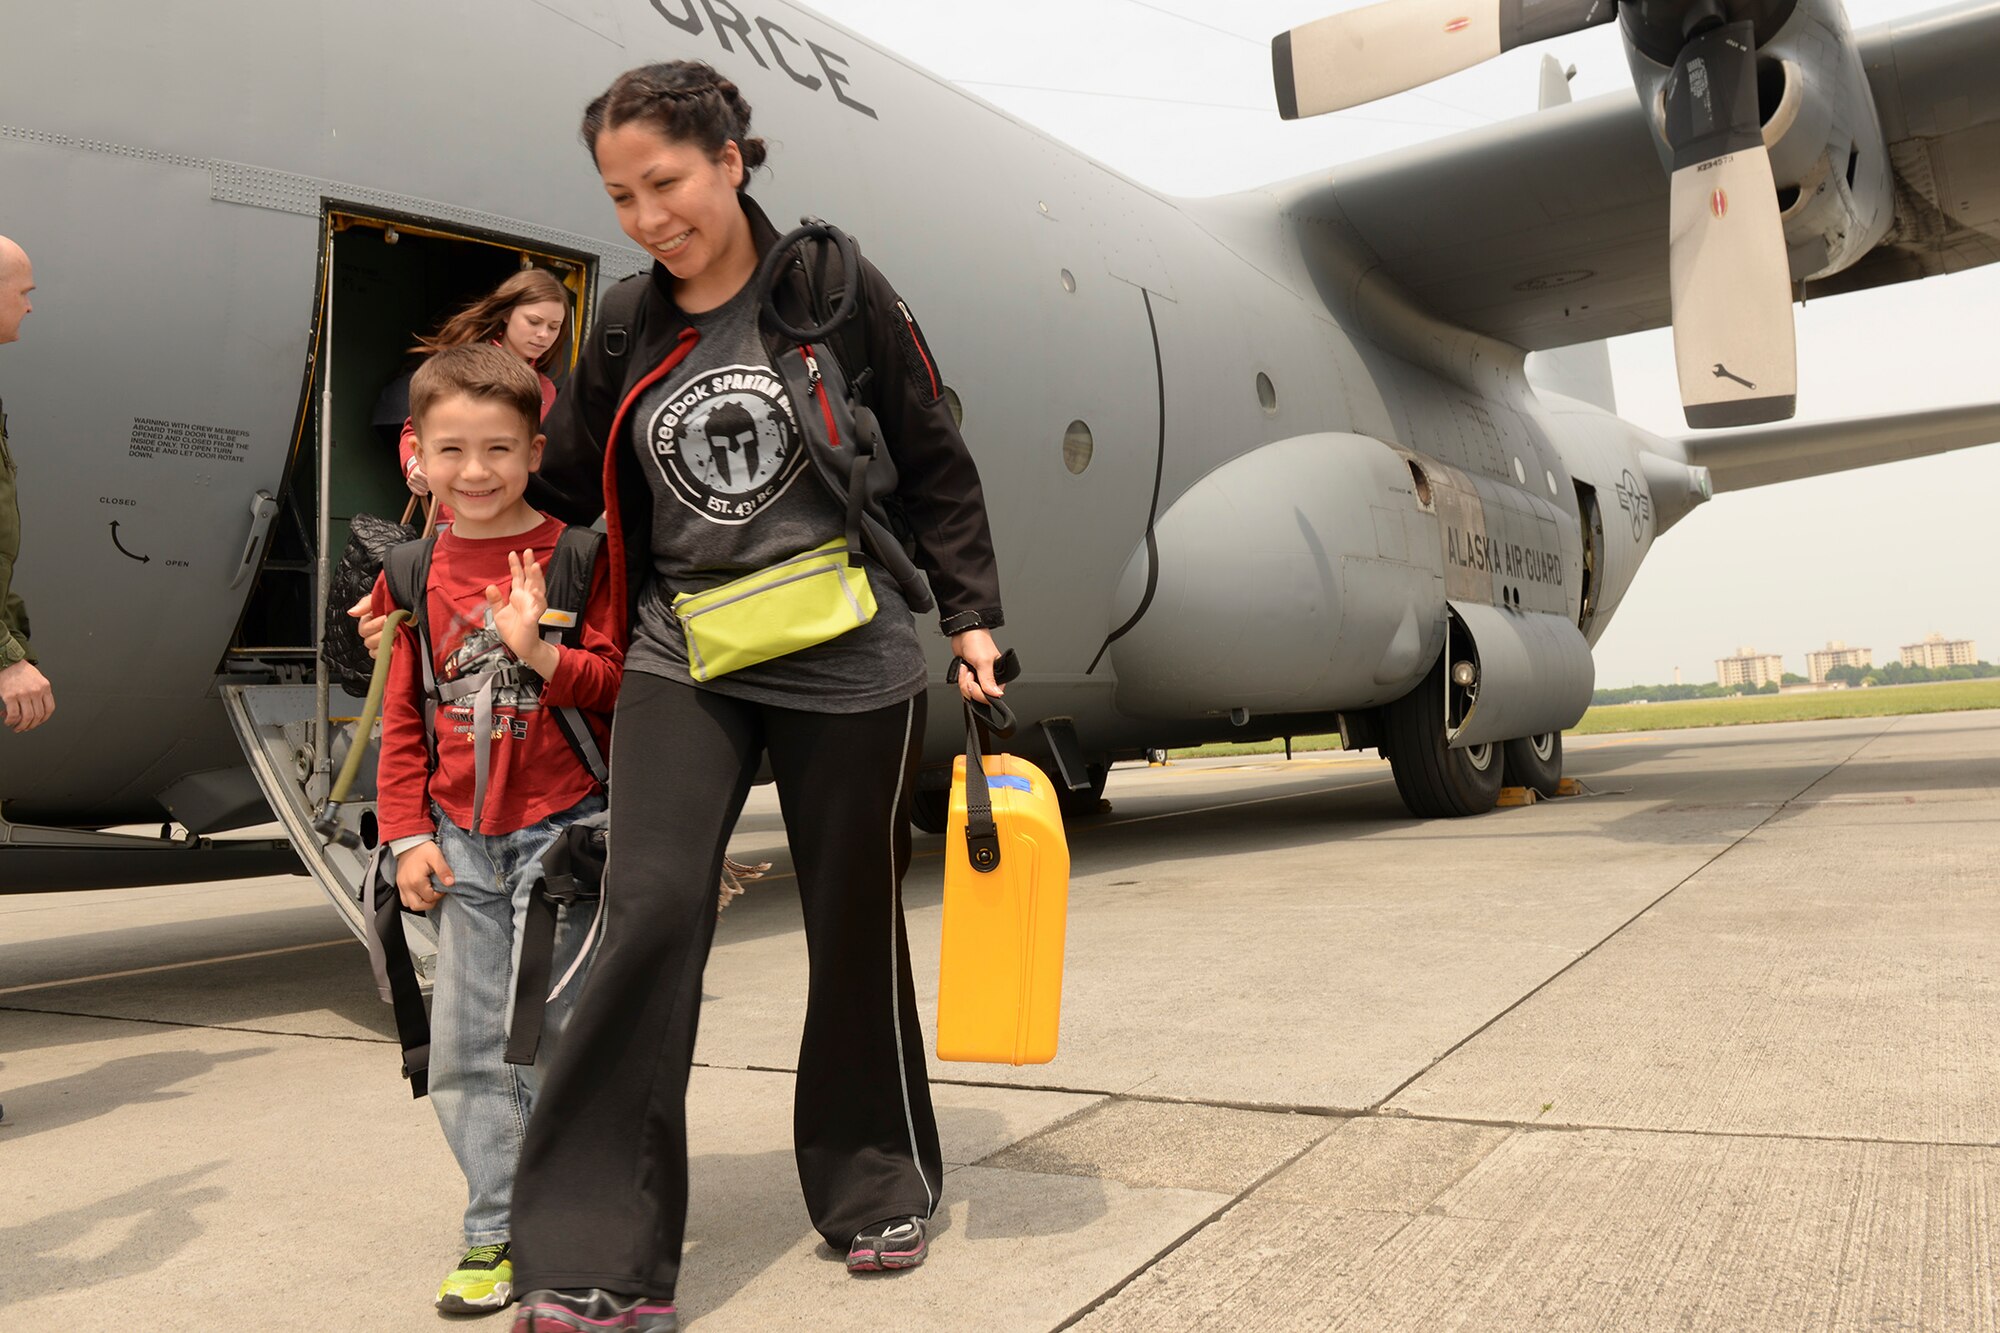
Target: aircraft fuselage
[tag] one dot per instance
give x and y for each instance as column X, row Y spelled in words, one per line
column 1115, row 352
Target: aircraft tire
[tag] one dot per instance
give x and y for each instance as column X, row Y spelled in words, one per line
column 1537, row 761
column 930, row 811
column 1436, row 781
column 1085, row 803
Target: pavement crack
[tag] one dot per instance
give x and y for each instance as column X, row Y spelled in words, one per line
column 1204, row 1224
column 1622, row 926
column 1582, row 1127
column 176, row 967
column 205, row 1027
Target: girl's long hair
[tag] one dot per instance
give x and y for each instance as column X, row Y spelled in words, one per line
column 485, row 320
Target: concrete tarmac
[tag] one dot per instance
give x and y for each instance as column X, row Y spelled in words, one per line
column 1715, row 1048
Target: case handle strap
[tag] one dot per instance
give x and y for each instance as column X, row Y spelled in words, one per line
column 982, row 835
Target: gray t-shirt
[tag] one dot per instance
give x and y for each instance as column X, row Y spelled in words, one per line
column 734, row 492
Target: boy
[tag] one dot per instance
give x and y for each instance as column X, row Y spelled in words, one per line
column 468, row 831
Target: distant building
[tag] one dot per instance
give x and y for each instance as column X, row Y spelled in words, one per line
column 1749, row 667
column 1938, row 651
column 1836, row 654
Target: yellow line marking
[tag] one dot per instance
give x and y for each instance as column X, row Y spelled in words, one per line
column 172, row 967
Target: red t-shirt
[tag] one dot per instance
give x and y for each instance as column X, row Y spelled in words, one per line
column 533, row 772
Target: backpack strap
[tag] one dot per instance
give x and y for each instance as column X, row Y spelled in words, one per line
column 407, row 568
column 618, row 316
column 570, row 871
column 826, row 285
column 567, row 578
column 479, row 689
column 395, row 975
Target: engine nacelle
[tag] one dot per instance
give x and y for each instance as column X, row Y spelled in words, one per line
column 1836, row 195
column 1303, row 576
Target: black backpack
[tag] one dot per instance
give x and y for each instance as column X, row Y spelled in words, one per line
column 571, row 869
column 567, row 576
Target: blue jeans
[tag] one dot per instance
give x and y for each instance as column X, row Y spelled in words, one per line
column 483, row 1102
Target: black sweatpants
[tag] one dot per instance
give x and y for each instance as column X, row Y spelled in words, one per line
column 601, row 1196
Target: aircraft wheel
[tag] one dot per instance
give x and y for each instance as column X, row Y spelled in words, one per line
column 1436, row 781
column 930, row 811
column 1537, row 761
column 1082, row 804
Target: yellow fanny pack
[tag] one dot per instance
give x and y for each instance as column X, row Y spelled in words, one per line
column 813, row 597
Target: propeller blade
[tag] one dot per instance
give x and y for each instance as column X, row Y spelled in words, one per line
column 1730, row 279
column 1347, row 59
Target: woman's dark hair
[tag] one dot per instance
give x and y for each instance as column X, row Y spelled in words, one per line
column 683, row 100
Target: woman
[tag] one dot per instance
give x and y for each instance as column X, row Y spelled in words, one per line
column 695, row 498
column 527, row 315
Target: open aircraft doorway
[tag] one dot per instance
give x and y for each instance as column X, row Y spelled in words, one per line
column 384, row 281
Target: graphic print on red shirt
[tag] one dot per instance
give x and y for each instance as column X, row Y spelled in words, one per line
column 466, row 648
column 533, row 771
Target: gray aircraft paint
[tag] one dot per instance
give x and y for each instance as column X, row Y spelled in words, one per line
column 175, row 219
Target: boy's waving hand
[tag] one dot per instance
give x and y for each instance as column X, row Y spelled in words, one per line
column 517, row 614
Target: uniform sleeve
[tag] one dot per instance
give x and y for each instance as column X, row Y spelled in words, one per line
column 938, row 486
column 13, row 647
column 403, row 765
column 13, row 623
column 587, row 676
column 13, row 612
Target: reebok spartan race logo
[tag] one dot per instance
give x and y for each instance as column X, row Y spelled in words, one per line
column 727, row 444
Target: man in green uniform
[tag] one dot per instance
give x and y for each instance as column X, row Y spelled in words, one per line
column 25, row 697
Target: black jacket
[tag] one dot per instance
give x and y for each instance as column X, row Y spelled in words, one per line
column 938, row 491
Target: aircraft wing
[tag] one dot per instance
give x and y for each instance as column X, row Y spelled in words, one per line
column 1763, row 455
column 1552, row 229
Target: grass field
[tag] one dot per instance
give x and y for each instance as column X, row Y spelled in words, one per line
column 1880, row 701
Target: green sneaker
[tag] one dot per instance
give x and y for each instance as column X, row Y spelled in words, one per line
column 482, row 1282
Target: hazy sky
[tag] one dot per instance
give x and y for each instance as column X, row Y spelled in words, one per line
column 1178, row 95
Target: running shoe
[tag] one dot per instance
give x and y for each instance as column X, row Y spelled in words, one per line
column 482, row 1283
column 594, row 1311
column 897, row 1243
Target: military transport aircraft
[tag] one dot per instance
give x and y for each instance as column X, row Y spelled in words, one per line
column 1257, row 465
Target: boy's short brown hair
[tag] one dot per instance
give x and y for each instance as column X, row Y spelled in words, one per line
column 480, row 371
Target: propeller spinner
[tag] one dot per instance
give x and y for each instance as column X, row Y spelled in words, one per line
column 1728, row 271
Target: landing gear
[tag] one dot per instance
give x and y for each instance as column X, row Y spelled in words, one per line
column 1082, row 804
column 1436, row 781
column 1537, row 762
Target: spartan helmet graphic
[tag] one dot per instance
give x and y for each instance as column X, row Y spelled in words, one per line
column 732, row 446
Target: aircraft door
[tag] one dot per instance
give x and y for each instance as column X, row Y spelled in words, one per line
column 384, row 283
column 1592, row 520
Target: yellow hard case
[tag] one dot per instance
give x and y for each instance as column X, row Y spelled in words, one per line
column 1000, row 967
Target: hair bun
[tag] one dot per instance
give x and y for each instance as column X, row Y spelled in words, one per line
column 684, row 101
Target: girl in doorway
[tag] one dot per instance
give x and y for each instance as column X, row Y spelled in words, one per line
column 527, row 315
